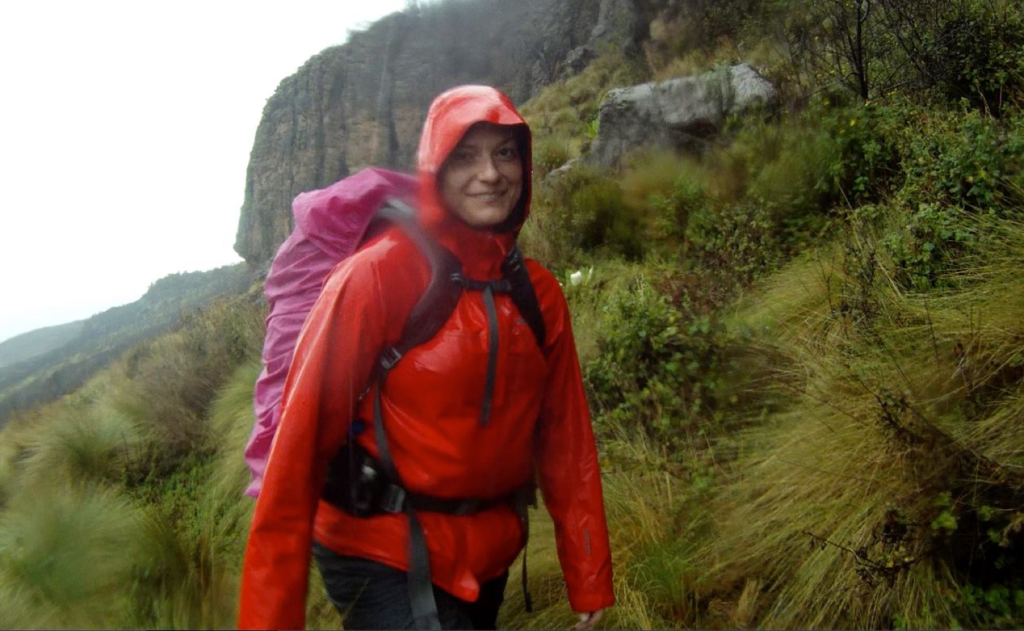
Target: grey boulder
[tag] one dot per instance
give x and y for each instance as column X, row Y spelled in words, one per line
column 680, row 113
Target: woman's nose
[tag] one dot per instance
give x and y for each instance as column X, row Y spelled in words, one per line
column 488, row 171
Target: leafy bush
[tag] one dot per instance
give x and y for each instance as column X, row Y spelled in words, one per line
column 954, row 165
column 961, row 160
column 658, row 366
column 785, row 168
column 737, row 242
column 866, row 162
column 583, row 211
column 930, row 240
column 661, row 188
column 982, row 57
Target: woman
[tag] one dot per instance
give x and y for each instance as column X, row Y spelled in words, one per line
column 474, row 172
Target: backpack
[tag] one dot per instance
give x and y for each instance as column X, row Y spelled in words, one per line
column 330, row 225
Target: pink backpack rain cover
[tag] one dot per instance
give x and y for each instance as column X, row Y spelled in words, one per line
column 330, row 224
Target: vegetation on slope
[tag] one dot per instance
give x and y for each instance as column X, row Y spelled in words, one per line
column 120, row 505
column 52, row 362
column 803, row 349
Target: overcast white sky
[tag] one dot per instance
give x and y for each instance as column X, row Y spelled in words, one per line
column 125, row 130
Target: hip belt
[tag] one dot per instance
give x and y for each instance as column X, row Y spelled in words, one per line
column 358, row 484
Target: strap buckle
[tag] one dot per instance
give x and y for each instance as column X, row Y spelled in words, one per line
column 389, row 358
column 500, row 286
column 393, row 499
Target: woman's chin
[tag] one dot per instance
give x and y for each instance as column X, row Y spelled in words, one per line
column 486, row 216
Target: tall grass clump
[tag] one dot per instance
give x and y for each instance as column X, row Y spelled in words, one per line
column 171, row 382
column 83, row 444
column 640, row 509
column 886, row 494
column 67, row 553
column 224, row 509
column 577, row 215
column 109, row 518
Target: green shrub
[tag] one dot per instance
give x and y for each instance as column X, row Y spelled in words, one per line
column 672, row 211
column 955, row 165
column 658, row 365
column 583, row 211
column 865, row 166
column 737, row 242
column 982, row 57
column 662, row 189
column 930, row 240
column 961, row 160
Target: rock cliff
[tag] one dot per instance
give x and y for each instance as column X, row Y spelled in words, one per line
column 363, row 103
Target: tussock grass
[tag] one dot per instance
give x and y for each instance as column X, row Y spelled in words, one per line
column 106, row 521
column 639, row 509
column 170, row 383
column 83, row 445
column 862, row 465
column 67, row 552
column 883, row 421
column 182, row 580
column 231, row 420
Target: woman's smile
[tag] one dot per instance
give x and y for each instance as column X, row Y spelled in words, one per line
column 482, row 179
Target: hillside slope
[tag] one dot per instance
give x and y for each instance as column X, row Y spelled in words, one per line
column 37, row 342
column 80, row 349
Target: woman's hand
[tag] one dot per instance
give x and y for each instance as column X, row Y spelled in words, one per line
column 588, row 620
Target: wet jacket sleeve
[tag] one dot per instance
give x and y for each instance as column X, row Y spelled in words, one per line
column 568, row 471
column 332, row 364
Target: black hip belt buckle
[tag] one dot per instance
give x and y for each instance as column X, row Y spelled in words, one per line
column 393, row 499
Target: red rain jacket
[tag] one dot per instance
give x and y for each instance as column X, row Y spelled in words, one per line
column 431, row 409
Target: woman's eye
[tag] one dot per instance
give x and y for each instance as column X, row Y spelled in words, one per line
column 508, row 151
column 462, row 157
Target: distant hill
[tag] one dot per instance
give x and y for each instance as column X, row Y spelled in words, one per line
column 41, row 365
column 37, row 342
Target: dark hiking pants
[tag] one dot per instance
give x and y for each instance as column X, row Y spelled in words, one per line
column 371, row 595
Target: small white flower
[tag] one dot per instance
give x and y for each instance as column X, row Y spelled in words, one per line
column 576, row 278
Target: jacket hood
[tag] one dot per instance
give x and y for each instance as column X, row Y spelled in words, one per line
column 481, row 251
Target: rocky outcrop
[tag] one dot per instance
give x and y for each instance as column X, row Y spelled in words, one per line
column 363, row 103
column 678, row 113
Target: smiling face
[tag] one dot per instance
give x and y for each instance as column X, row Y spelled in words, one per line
column 482, row 179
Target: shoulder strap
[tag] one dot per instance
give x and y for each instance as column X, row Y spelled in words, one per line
column 438, row 301
column 523, row 295
column 429, row 314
